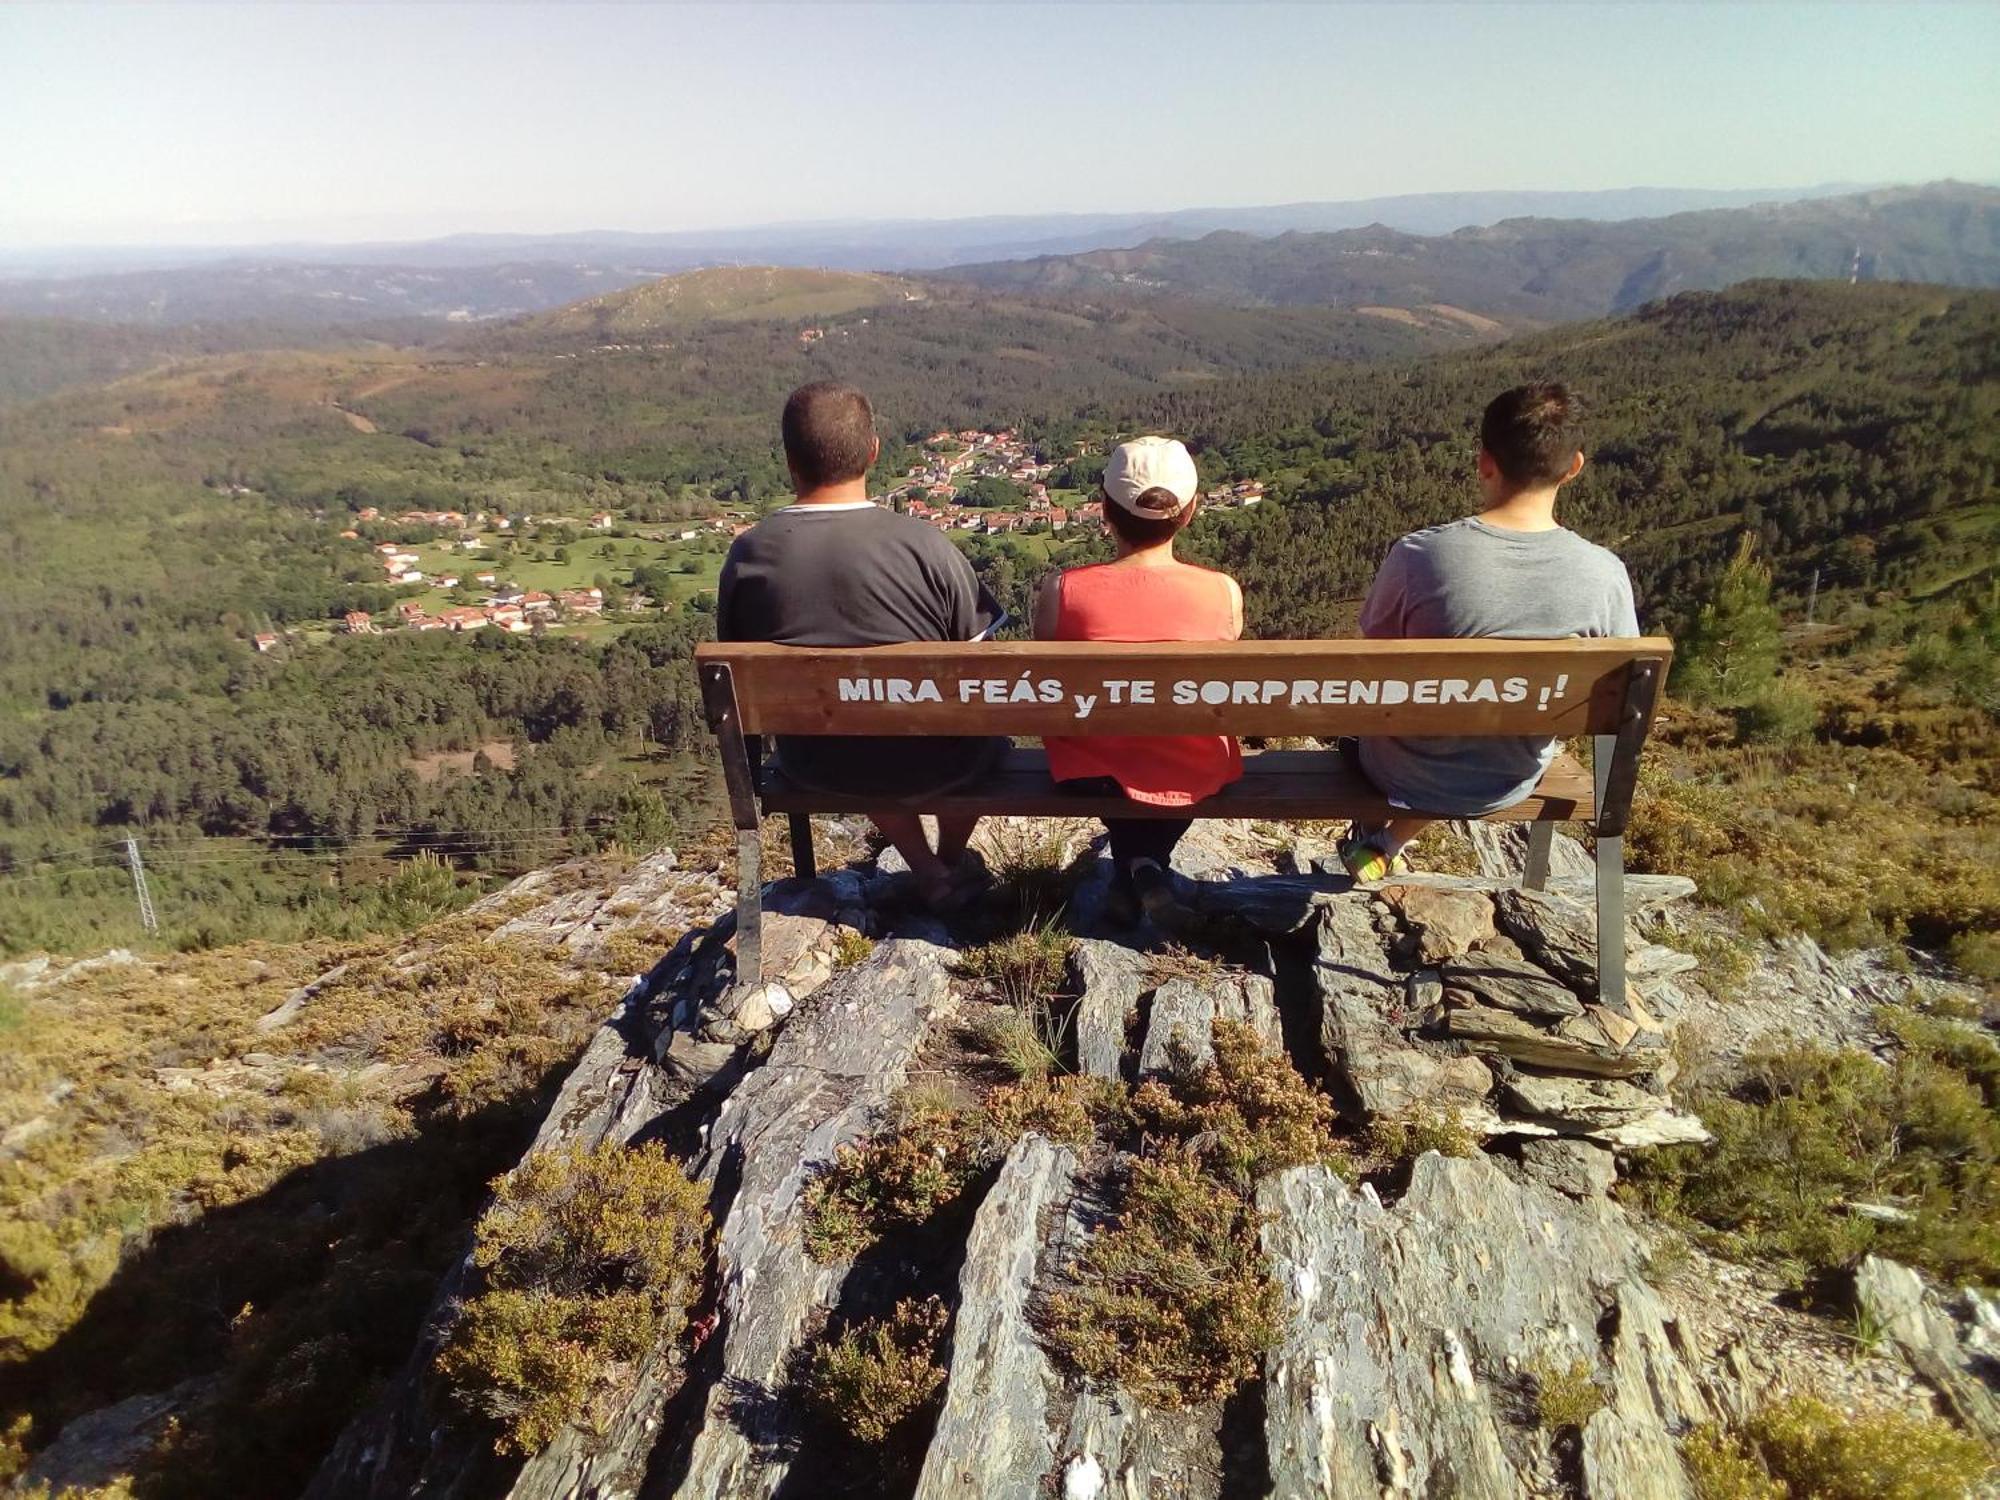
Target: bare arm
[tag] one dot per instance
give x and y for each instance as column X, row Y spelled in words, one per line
column 1235, row 608
column 1048, row 607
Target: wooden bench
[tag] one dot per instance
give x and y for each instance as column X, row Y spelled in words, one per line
column 1602, row 689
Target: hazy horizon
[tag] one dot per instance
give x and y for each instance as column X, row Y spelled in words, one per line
column 197, row 125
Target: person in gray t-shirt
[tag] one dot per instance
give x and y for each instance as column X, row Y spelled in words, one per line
column 1509, row 572
column 835, row 569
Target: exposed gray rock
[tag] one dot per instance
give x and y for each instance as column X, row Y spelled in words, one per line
column 1108, row 983
column 993, row 1436
column 1579, row 1046
column 95, row 1449
column 1940, row 1346
column 1629, row 1452
column 1606, row 1110
column 825, row 1083
column 1503, row 852
column 1576, row 1168
column 1559, row 932
column 1404, row 1327
column 1508, row 984
column 1185, row 1011
column 1583, row 1104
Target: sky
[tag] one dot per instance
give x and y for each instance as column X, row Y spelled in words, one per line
column 247, row 123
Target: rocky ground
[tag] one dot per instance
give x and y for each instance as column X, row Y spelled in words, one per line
column 1416, row 1302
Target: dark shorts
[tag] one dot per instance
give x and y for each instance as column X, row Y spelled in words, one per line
column 894, row 768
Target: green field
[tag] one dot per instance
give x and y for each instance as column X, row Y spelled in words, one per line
column 535, row 565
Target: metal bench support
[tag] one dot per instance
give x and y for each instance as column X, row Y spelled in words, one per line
column 1614, row 763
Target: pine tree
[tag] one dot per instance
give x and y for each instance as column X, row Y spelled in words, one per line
column 1731, row 654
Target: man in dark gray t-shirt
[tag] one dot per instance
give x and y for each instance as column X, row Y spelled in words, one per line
column 835, row 569
column 1509, row 572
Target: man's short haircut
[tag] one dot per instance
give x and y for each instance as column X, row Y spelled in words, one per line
column 1531, row 431
column 829, row 435
column 1147, row 531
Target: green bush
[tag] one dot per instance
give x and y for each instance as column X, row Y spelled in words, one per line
column 1802, row 1449
column 587, row 1259
column 1811, row 1131
column 898, row 1178
column 874, row 1380
column 1566, row 1395
column 1779, row 714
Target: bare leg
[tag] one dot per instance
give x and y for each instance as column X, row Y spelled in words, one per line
column 1397, row 833
column 954, row 833
column 906, row 831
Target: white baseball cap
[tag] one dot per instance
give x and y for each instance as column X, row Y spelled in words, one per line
column 1151, row 463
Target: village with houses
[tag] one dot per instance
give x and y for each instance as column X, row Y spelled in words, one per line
column 954, row 460
column 464, row 588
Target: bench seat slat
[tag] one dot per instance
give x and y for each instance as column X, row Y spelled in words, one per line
column 1276, row 785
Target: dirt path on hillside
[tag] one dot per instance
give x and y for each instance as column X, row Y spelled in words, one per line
column 354, row 418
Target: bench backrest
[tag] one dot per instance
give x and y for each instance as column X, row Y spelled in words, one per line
column 1265, row 688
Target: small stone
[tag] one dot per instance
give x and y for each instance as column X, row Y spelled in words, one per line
column 1448, row 923
column 1502, row 946
column 694, row 1062
column 1508, row 1035
column 763, row 1007
column 1620, row 1030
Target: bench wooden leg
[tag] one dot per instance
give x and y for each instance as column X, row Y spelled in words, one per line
column 749, row 907
column 803, row 864
column 1541, row 837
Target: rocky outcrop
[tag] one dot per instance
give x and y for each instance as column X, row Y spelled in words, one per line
column 993, row 1438
column 1952, row 1342
column 825, row 1084
column 1417, row 1312
column 1410, row 1327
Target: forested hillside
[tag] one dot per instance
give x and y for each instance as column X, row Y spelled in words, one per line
column 149, row 529
column 1547, row 270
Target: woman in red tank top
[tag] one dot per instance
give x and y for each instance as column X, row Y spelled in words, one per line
column 1145, row 594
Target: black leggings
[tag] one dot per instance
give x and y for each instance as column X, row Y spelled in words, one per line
column 1132, row 838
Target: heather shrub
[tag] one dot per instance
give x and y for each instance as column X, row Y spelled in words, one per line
column 1248, row 1113
column 1802, row 1449
column 586, row 1260
column 898, row 1178
column 1175, row 1302
column 874, row 1380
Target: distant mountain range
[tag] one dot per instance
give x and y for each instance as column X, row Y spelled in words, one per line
column 499, row 276
column 1546, row 270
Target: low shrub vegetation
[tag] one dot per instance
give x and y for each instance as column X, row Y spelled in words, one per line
column 1802, row 1449
column 878, row 1379
column 898, row 1178
column 1067, row 1110
column 1809, row 1132
column 587, row 1260
column 1408, row 1135
column 1566, row 1394
column 1248, row 1113
column 1175, row 1301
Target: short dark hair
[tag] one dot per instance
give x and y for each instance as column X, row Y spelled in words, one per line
column 1147, row 531
column 829, row 435
column 1531, row 431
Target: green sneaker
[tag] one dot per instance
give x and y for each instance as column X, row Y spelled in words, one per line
column 1367, row 864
